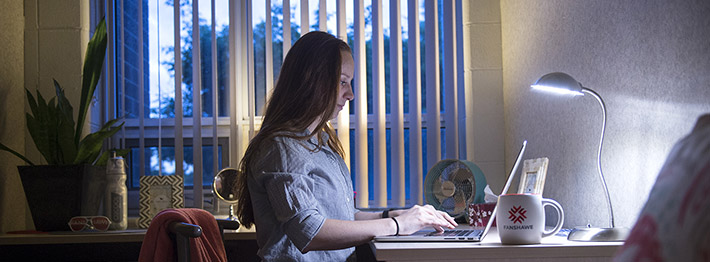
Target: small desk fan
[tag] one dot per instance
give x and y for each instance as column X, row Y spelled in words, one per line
column 451, row 185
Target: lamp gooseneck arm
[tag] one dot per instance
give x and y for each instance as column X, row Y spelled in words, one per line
column 599, row 153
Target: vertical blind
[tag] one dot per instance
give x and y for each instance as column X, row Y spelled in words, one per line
column 242, row 119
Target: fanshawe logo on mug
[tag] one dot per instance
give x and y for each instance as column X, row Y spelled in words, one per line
column 517, row 214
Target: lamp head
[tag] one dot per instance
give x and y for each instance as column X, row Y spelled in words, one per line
column 559, row 83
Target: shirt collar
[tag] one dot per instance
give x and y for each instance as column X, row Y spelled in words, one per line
column 314, row 139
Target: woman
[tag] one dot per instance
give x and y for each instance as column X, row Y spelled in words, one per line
column 295, row 185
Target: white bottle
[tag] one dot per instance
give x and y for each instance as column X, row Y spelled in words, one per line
column 115, row 199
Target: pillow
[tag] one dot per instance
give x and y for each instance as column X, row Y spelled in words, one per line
column 674, row 224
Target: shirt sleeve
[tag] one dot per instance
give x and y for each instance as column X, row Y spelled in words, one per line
column 294, row 206
column 289, row 188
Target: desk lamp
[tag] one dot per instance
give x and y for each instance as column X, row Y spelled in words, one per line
column 564, row 84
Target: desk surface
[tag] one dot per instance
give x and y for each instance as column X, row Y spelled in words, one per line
column 554, row 248
column 124, row 236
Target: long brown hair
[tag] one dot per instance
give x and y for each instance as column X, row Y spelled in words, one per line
column 306, row 91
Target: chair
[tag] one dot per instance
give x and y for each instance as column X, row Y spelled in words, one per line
column 185, row 234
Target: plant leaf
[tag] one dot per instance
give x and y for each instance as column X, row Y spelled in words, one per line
column 31, row 100
column 39, row 135
column 4, row 147
column 52, row 125
column 103, row 159
column 41, row 126
column 33, row 125
column 90, row 146
column 93, row 62
column 67, row 149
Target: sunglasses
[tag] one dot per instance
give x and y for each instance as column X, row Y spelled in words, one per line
column 89, row 223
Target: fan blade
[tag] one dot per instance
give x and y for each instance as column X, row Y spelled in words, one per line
column 437, row 190
column 459, row 203
column 449, row 205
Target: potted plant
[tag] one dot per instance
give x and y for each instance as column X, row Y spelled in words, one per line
column 54, row 190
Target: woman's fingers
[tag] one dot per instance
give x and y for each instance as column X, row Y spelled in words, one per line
column 443, row 218
column 427, row 216
column 451, row 221
column 439, row 219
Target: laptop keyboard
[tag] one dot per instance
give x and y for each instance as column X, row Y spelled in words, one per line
column 457, row 233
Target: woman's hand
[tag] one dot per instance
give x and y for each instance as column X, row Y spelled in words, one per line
column 417, row 217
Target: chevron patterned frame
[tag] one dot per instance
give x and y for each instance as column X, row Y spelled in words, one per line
column 158, row 193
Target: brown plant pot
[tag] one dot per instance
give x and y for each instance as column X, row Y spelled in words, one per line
column 54, row 193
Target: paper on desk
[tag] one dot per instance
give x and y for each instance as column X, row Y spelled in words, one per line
column 489, row 197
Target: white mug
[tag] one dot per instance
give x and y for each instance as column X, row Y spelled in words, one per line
column 521, row 218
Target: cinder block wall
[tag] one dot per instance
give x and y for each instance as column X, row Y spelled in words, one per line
column 56, row 34
column 483, row 78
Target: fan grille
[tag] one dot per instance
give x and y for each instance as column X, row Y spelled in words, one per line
column 453, row 184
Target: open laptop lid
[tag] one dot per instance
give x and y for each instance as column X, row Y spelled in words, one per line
column 425, row 235
column 505, row 188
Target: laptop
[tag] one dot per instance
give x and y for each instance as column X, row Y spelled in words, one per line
column 462, row 233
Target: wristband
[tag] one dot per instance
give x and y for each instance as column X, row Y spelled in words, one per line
column 386, row 213
column 397, row 224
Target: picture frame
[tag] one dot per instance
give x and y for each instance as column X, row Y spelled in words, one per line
column 532, row 179
column 158, row 193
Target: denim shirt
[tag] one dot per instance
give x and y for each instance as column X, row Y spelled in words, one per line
column 293, row 191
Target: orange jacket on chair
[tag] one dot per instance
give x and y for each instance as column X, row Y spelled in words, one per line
column 157, row 245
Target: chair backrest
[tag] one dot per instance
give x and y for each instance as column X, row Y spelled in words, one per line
column 182, row 233
column 185, row 234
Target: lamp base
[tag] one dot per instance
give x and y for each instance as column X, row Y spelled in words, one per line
column 615, row 234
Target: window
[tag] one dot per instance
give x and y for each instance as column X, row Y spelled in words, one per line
column 157, row 73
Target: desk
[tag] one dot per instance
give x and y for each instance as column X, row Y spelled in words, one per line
column 240, row 245
column 106, row 246
column 554, row 248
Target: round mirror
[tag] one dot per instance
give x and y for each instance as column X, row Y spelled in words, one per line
column 225, row 187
